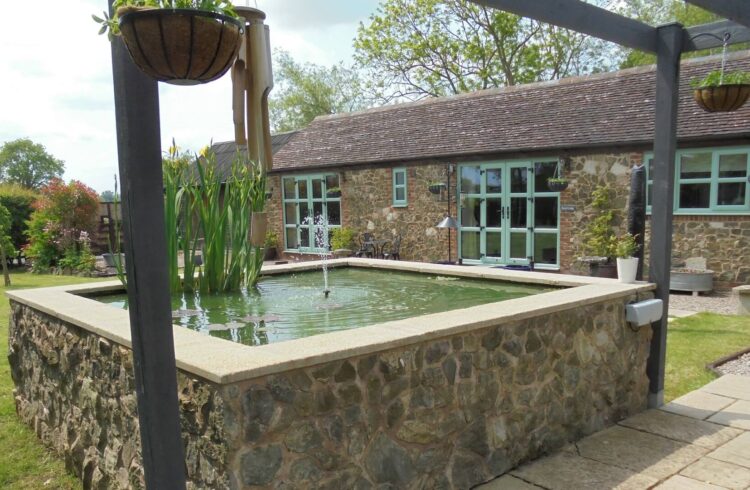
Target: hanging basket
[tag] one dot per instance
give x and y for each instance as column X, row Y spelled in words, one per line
column 557, row 185
column 722, row 98
column 436, row 188
column 181, row 46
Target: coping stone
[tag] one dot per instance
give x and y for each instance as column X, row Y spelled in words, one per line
column 697, row 404
column 680, row 428
column 567, row 470
column 717, row 472
column 735, row 415
column 507, row 482
column 640, row 452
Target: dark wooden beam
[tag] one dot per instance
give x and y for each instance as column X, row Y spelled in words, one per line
column 736, row 10
column 583, row 17
column 670, row 39
column 709, row 36
column 149, row 304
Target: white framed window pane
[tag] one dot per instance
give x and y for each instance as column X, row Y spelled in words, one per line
column 695, row 196
column 470, row 180
column 291, row 238
column 400, row 177
column 289, row 191
column 290, row 213
column 470, row 245
column 545, row 248
column 731, row 194
column 400, row 194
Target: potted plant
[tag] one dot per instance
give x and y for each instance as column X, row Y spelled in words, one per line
column 627, row 265
column 436, row 187
column 184, row 42
column 600, row 240
column 722, row 92
column 270, row 246
column 342, row 241
column 333, row 192
column 557, row 184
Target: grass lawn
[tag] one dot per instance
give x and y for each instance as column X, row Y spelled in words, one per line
column 25, row 464
column 693, row 342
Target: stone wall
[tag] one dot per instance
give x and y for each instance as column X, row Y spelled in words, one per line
column 77, row 391
column 445, row 413
column 367, row 198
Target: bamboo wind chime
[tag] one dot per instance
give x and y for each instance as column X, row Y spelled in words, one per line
column 252, row 81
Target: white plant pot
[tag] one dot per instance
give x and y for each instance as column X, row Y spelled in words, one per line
column 627, row 269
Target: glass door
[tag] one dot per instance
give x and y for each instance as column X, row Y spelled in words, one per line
column 518, row 197
column 493, row 214
column 309, row 211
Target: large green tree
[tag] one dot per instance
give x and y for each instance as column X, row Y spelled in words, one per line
column 28, row 164
column 421, row 48
column 306, row 90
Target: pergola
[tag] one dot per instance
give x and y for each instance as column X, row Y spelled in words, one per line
column 139, row 152
column 668, row 42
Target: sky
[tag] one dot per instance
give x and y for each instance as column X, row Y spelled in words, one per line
column 56, row 78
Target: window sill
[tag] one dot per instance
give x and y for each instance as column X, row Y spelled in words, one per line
column 399, row 205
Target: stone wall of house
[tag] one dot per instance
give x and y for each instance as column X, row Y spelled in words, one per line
column 367, row 198
column 77, row 391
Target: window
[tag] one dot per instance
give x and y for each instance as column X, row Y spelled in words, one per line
column 312, row 203
column 708, row 180
column 399, row 187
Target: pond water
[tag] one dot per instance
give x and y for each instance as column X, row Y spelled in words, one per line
column 291, row 306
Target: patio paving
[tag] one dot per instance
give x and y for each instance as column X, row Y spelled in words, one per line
column 698, row 441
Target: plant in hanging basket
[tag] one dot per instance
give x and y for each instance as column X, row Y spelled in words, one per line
column 333, row 192
column 436, row 187
column 557, row 184
column 183, row 42
column 717, row 93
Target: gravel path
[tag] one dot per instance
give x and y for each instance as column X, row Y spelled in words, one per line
column 716, row 302
column 741, row 366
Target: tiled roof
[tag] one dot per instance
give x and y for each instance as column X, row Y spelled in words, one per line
column 594, row 111
column 226, row 150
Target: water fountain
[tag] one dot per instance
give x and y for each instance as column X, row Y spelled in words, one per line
column 318, row 227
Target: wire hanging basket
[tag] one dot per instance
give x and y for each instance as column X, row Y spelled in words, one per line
column 181, row 46
column 557, row 183
column 723, row 97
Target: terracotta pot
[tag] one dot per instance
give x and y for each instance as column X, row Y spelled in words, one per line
column 181, row 46
column 258, row 226
column 724, row 98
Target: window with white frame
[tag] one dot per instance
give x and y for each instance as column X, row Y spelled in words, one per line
column 399, row 187
column 708, row 180
column 312, row 203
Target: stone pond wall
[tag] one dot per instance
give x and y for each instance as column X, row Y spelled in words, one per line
column 446, row 413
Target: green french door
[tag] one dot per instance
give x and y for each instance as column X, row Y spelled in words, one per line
column 499, row 221
column 309, row 208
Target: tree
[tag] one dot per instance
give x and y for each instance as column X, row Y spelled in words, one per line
column 305, row 90
column 655, row 12
column 107, row 196
column 6, row 245
column 27, row 163
column 420, row 48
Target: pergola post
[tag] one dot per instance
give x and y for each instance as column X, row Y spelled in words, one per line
column 669, row 49
column 149, row 303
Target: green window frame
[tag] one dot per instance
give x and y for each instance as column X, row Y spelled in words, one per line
column 707, row 181
column 399, row 187
column 309, row 195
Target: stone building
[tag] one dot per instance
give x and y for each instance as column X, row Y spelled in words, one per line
column 488, row 155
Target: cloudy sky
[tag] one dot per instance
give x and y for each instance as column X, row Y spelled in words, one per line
column 56, row 85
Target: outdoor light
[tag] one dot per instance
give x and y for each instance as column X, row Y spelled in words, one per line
column 448, row 222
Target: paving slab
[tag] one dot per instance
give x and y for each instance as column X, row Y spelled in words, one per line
column 679, row 482
column 697, row 404
column 507, row 482
column 735, row 415
column 567, row 471
column 681, row 428
column 736, row 451
column 641, row 452
column 720, row 473
column 730, row 385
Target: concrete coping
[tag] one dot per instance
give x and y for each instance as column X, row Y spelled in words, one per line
column 222, row 361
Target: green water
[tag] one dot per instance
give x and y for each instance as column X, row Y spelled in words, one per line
column 291, row 306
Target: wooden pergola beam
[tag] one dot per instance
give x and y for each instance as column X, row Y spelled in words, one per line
column 584, row 18
column 709, row 36
column 735, row 10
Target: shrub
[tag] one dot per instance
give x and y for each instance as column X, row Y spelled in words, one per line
column 19, row 201
column 342, row 238
column 60, row 227
column 600, row 239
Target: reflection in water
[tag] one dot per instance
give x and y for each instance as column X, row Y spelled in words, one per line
column 290, row 306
